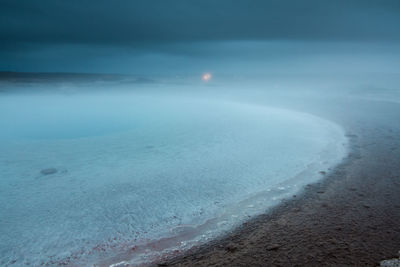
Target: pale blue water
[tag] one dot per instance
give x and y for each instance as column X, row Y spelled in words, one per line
column 131, row 167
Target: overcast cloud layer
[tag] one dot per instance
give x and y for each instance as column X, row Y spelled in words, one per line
column 53, row 30
column 124, row 21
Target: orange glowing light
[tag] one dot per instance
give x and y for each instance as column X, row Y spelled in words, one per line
column 206, row 77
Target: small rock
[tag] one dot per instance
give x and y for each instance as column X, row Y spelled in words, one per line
column 322, row 172
column 231, row 248
column 48, row 171
column 273, row 247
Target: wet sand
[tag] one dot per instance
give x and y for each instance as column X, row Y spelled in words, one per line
column 350, row 218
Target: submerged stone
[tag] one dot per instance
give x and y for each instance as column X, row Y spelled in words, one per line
column 48, row 171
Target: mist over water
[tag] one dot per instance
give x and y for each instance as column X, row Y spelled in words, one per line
column 87, row 172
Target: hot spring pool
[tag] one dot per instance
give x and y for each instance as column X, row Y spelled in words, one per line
column 85, row 177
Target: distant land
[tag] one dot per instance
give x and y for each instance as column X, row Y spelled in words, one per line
column 28, row 77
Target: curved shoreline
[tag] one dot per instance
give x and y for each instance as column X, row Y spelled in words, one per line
column 329, row 136
column 349, row 218
column 216, row 227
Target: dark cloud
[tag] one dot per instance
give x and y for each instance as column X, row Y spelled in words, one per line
column 158, row 21
column 137, row 36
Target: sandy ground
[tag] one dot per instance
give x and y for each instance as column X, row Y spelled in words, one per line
column 350, row 218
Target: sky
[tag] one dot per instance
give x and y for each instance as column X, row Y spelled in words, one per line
column 124, row 36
